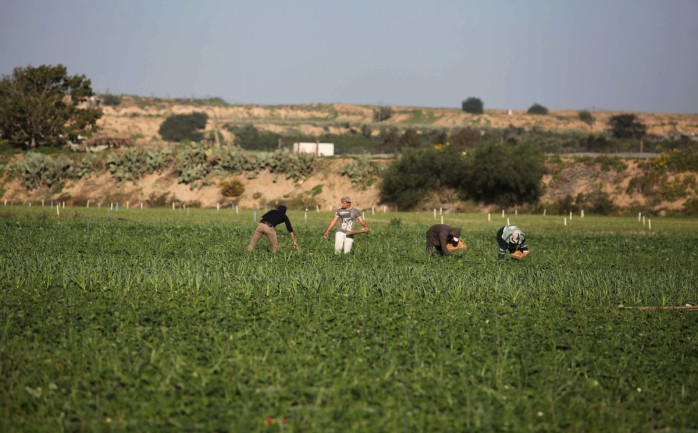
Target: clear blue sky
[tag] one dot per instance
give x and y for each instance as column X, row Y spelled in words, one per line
column 619, row 55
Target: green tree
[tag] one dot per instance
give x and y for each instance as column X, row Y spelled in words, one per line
column 41, row 107
column 627, row 126
column 180, row 127
column 409, row 179
column 473, row 105
column 537, row 109
column 505, row 174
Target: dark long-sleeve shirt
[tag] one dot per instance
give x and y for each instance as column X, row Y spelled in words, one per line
column 276, row 217
column 439, row 235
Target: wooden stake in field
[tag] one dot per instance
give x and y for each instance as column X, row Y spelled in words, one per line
column 434, row 213
column 545, row 211
column 649, row 224
column 565, row 221
column 488, row 217
column 507, row 221
column 582, row 213
column 442, row 219
column 502, row 213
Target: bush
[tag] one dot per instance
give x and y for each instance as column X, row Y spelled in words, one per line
column 505, row 174
column 181, row 127
column 473, row 105
column 231, row 187
column 36, row 169
column 110, row 100
column 626, row 126
column 537, row 109
column 131, row 163
column 407, row 181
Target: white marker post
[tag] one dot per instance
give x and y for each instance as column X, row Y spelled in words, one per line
column 565, row 221
column 507, row 221
column 488, row 217
column 434, row 213
column 442, row 219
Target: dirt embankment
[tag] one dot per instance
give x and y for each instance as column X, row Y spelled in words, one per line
column 139, row 119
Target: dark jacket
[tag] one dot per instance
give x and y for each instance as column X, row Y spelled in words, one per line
column 275, row 217
column 439, row 236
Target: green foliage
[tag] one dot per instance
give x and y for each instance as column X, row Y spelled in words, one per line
column 35, row 170
column 611, row 163
column 250, row 138
column 361, row 171
column 192, row 165
column 505, row 174
column 407, row 181
column 625, row 126
column 41, row 107
column 90, row 163
column 473, row 105
column 231, row 187
column 537, row 109
column 159, row 320
column 181, row 127
column 110, row 100
column 677, row 160
column 130, row 164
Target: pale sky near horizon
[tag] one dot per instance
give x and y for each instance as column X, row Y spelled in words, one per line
column 615, row 55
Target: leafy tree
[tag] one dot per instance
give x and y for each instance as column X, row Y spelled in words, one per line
column 537, row 109
column 41, row 107
column 505, row 174
column 627, row 126
column 180, row 127
column 473, row 105
column 409, row 179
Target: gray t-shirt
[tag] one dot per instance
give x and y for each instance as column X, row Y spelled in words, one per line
column 347, row 219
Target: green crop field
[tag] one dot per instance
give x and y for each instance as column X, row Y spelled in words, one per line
column 159, row 320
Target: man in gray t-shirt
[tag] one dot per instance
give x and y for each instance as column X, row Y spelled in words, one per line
column 349, row 216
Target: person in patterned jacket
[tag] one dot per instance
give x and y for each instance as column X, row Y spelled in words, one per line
column 512, row 239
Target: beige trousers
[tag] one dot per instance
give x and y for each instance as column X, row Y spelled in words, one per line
column 263, row 229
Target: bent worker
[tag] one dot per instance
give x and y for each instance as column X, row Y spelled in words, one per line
column 439, row 236
column 343, row 240
column 266, row 228
column 512, row 239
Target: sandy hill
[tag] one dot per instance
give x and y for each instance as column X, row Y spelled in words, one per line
column 139, row 119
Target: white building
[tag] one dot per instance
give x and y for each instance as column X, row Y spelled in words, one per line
column 319, row 149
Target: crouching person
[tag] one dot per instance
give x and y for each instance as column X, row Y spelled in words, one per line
column 439, row 236
column 512, row 239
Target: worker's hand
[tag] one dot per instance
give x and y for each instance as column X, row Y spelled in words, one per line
column 295, row 245
column 326, row 234
column 367, row 229
column 525, row 253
